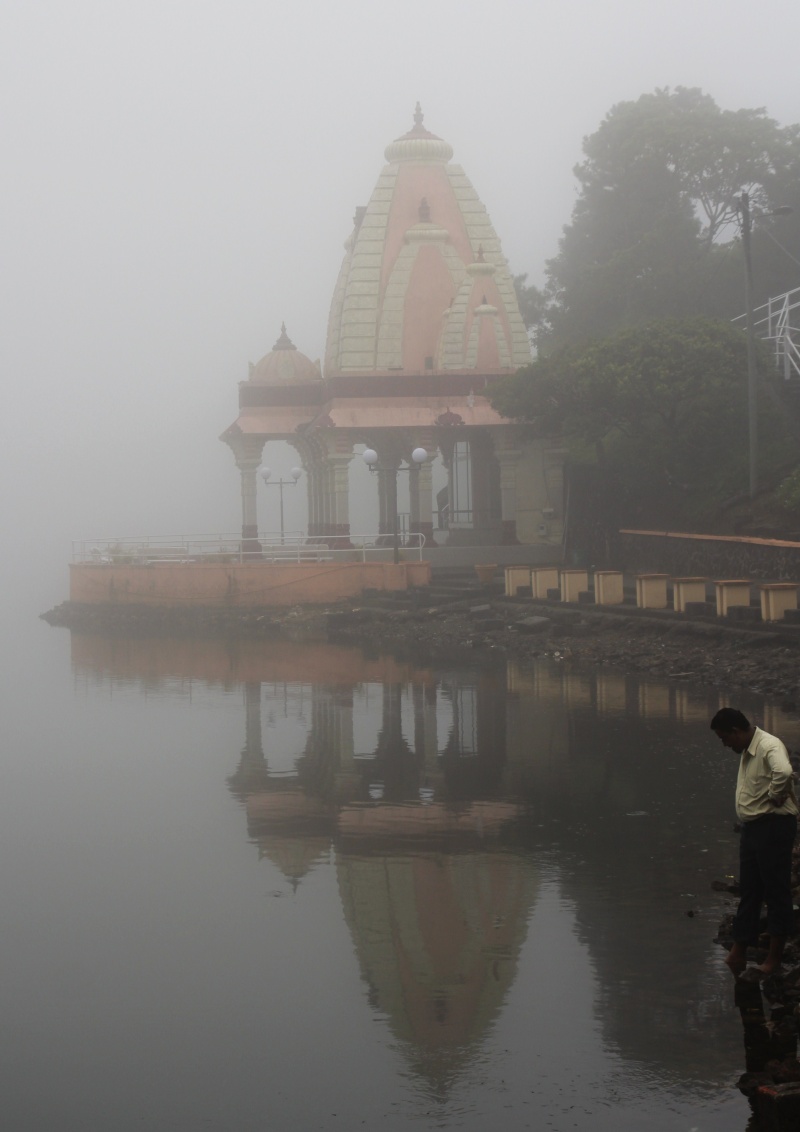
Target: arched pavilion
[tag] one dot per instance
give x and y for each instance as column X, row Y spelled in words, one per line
column 424, row 317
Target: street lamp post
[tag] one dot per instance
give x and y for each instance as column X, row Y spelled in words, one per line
column 752, row 371
column 752, row 376
column 372, row 460
column 295, row 475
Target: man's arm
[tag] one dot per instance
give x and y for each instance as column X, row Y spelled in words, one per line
column 777, row 759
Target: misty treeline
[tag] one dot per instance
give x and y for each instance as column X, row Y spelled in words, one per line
column 637, row 364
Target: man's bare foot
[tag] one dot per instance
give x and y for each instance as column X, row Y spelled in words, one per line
column 736, row 960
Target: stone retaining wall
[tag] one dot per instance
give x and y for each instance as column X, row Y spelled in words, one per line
column 712, row 556
column 239, row 585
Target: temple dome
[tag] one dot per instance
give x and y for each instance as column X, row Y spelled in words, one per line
column 284, row 365
column 418, row 144
column 424, row 245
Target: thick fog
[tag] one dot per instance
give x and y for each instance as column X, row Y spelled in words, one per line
column 179, row 177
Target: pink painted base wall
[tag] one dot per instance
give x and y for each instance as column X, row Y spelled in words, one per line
column 240, row 585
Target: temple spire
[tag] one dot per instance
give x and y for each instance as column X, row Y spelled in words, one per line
column 418, row 115
column 284, row 342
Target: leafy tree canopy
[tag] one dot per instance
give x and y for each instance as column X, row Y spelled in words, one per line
column 662, row 405
column 654, row 233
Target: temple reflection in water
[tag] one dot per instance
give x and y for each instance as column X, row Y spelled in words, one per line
column 442, row 796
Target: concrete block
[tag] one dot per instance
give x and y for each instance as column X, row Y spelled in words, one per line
column 572, row 583
column 543, row 579
column 608, row 587
column 777, row 599
column 651, row 591
column 732, row 593
column 515, row 577
column 687, row 590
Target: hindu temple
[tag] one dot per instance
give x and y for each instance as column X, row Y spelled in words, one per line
column 423, row 319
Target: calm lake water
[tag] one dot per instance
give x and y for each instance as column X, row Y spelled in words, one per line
column 285, row 886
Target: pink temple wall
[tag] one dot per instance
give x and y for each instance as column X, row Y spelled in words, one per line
column 241, row 585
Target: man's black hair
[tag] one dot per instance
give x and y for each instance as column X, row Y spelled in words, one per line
column 729, row 719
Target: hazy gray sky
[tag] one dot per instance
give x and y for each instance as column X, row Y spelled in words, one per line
column 179, row 176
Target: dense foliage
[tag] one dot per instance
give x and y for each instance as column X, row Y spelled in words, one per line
column 654, row 232
column 660, row 409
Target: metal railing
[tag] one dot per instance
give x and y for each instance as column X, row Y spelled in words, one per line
column 150, row 550
column 778, row 321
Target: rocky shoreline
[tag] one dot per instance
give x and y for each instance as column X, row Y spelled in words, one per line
column 759, row 661
column 486, row 627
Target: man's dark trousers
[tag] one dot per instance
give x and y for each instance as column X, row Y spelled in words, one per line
column 765, row 876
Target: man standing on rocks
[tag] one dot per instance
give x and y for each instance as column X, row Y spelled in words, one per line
column 767, row 809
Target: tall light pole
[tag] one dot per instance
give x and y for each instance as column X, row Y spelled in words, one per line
column 373, row 462
column 295, row 474
column 752, row 376
column 752, row 370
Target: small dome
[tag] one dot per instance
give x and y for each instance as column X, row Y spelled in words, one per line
column 284, row 365
column 418, row 144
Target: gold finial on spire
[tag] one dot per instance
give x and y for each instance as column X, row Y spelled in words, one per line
column 418, row 115
column 284, row 342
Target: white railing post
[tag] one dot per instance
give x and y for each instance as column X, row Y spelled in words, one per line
column 151, row 549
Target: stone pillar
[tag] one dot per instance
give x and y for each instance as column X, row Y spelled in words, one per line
column 485, row 490
column 508, row 459
column 340, row 500
column 325, row 477
column 314, row 487
column 387, row 500
column 249, row 502
column 247, row 452
column 311, row 495
column 421, row 495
